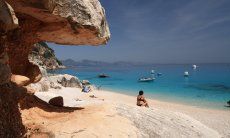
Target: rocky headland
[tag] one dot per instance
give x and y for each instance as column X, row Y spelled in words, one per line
column 43, row 56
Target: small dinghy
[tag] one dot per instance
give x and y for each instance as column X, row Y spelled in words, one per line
column 146, row 79
column 186, row 74
column 103, row 75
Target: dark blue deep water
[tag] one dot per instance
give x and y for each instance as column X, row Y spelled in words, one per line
column 208, row 86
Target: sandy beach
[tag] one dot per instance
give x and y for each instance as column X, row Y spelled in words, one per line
column 110, row 114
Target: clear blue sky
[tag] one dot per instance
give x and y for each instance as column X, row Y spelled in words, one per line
column 161, row 31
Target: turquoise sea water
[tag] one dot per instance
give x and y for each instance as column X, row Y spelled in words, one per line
column 207, row 87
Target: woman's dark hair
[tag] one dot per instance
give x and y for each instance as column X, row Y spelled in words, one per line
column 141, row 92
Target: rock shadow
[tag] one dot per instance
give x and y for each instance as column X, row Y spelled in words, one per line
column 10, row 117
column 30, row 101
column 13, row 99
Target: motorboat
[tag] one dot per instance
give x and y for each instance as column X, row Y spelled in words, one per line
column 186, row 74
column 152, row 71
column 103, row 75
column 146, row 79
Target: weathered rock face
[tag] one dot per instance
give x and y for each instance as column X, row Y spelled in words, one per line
column 10, row 117
column 69, row 81
column 7, row 17
column 20, row 80
column 5, row 74
column 26, row 22
column 44, row 56
column 73, row 22
column 8, row 22
column 56, row 82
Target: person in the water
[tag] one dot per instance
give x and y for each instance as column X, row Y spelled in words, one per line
column 141, row 101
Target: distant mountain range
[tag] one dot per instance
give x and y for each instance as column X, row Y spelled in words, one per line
column 92, row 63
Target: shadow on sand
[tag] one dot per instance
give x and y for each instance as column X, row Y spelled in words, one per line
column 30, row 101
column 11, row 96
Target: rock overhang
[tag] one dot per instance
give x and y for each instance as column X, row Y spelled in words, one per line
column 66, row 22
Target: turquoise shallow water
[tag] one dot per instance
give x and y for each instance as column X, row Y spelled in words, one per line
column 206, row 87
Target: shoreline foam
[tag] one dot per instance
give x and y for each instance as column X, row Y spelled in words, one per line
column 174, row 100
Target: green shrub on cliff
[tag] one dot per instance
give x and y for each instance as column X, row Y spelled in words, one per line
column 43, row 55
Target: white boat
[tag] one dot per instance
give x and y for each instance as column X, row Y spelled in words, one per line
column 186, row 74
column 146, row 79
column 194, row 66
column 152, row 71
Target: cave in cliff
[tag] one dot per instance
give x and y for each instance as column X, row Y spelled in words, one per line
column 24, row 23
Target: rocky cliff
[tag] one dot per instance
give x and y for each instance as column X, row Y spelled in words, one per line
column 44, row 56
column 74, row 22
column 24, row 23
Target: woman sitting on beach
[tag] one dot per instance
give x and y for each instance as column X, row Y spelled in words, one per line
column 141, row 100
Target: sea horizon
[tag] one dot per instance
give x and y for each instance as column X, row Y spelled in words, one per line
column 139, row 62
